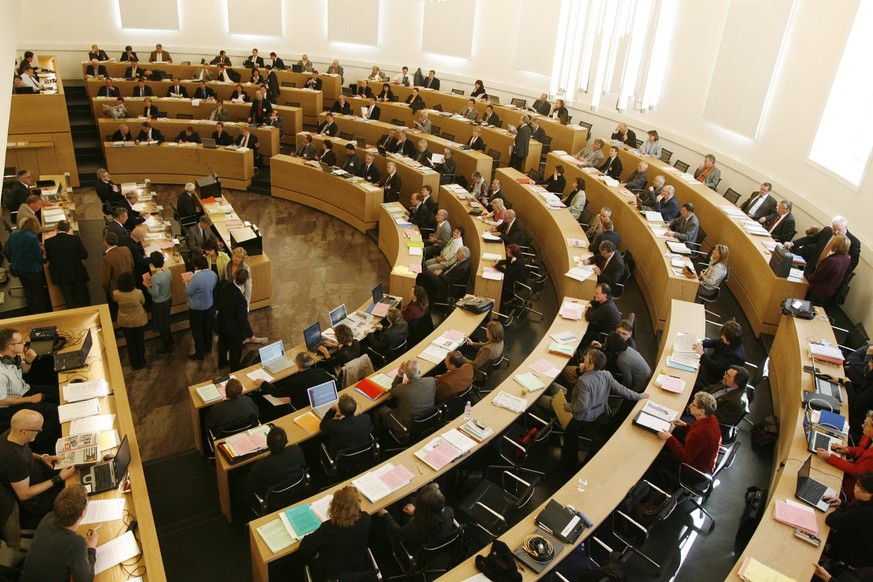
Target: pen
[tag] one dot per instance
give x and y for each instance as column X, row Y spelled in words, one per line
column 94, row 529
column 420, row 472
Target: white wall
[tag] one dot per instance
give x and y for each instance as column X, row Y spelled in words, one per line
column 779, row 154
column 8, row 50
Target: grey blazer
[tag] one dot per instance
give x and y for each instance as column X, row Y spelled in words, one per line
column 196, row 238
column 412, row 399
column 685, row 229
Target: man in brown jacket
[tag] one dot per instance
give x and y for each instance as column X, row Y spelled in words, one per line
column 116, row 260
column 457, row 379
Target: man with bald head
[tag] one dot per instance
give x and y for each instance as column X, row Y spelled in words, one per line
column 413, row 396
column 27, row 480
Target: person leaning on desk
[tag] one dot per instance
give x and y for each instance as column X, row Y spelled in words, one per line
column 348, row 348
column 295, row 385
column 859, row 460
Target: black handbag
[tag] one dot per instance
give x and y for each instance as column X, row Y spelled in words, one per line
column 499, row 565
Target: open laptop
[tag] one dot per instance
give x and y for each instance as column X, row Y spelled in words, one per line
column 209, row 143
column 312, row 337
column 817, row 439
column 380, row 297
column 811, row 491
column 273, row 357
column 362, row 142
column 827, row 388
column 76, row 358
column 105, row 476
column 322, row 397
column 338, row 316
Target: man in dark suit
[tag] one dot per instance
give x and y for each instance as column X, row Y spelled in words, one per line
column 419, row 214
column 246, row 139
column 373, row 111
column 413, row 396
column 343, row 429
column 781, row 224
column 296, row 385
column 353, row 162
column 402, row 145
column 637, row 181
column 220, row 136
column 368, row 170
column 253, row 60
column 235, row 411
column 203, row 92
column 341, row 105
column 134, row 71
column 20, row 190
column 415, row 102
column 276, row 64
column 108, row 89
column 422, row 154
column 129, row 55
column 431, row 81
column 512, row 231
column 537, row 132
column 232, row 324
column 260, row 109
column 437, row 282
column 819, row 245
column 667, row 204
column 108, row 192
column 328, row 126
column 542, row 105
column 284, row 464
column 601, row 314
column 607, row 232
column 612, row 165
column 142, row 90
column 327, row 155
column 95, row 69
column 150, row 111
column 448, row 165
column 314, row 82
column 685, row 227
column 226, row 75
column 66, row 255
column 389, row 141
column 491, row 118
column 116, row 225
column 187, row 210
column 625, row 134
column 188, row 135
column 97, row 54
column 608, row 264
column 391, row 183
column 521, row 144
column 364, row 89
column 306, row 149
column 761, row 203
column 148, row 133
column 177, row 89
column 729, row 395
column 221, row 59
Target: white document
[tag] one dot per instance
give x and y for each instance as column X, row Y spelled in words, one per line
column 434, row 354
column 260, row 374
column 116, row 551
column 490, row 237
column 85, row 390
column 660, row 411
column 491, row 257
column 459, row 440
column 97, row 423
column 510, row 402
column 321, row 506
column 416, row 251
column 103, row 510
column 492, row 274
column 69, row 412
column 371, row 486
column 437, row 158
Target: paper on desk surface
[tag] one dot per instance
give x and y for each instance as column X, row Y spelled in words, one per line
column 260, row 374
column 97, row 423
column 99, row 510
column 115, row 552
column 85, row 390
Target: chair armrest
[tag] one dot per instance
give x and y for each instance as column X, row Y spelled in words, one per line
column 516, row 477
column 538, row 419
column 397, row 422
column 631, row 521
column 515, row 444
column 491, row 511
column 655, row 487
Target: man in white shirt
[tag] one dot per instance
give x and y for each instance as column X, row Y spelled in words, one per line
column 403, row 78
column 760, row 204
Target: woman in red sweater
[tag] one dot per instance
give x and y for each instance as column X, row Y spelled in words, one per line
column 702, row 439
column 858, row 459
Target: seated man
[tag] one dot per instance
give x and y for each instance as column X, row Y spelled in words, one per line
column 707, row 172
column 636, row 182
column 649, row 196
column 780, row 224
column 458, row 377
column 177, row 89
column 685, row 227
column 728, row 394
column 437, row 283
column 96, row 69
column 341, row 105
column 422, row 153
column 667, row 204
column 306, row 149
column 141, row 89
column 296, row 385
column 419, row 214
column 220, row 136
column 448, row 166
column 440, row 236
column 608, row 264
column 57, row 551
column 385, row 338
column 700, row 449
column 601, row 314
column 512, row 230
column 368, row 170
column 203, row 92
column 314, row 82
column 592, row 155
column 353, row 162
column 149, row 134
column 448, row 253
column 612, row 165
column 607, row 233
column 342, row 428
column 328, row 126
column 413, row 396
column 283, row 464
column 188, row 135
column 489, row 117
column 236, row 411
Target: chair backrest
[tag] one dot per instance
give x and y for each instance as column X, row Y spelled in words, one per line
column 226, row 431
column 639, row 142
column 458, row 91
column 518, row 102
column 184, row 116
column 438, row 107
column 681, row 166
column 494, row 154
column 587, row 126
column 449, row 547
column 286, row 493
column 424, row 424
column 456, row 403
column 399, row 122
column 666, row 155
column 346, row 136
column 435, row 130
column 420, row 328
column 701, row 236
column 447, row 136
column 732, row 195
column 355, row 459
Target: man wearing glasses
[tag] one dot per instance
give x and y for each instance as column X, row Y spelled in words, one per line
column 27, row 480
column 16, row 394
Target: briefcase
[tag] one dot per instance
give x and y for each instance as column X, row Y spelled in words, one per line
column 781, row 260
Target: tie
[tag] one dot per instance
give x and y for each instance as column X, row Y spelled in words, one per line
column 245, row 141
column 702, row 176
column 778, row 220
column 754, row 207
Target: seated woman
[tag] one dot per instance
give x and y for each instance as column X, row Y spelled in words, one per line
column 449, row 253
column 827, row 278
column 556, row 182
column 283, row 464
column 702, row 440
column 339, row 545
column 490, row 350
column 417, row 306
column 575, row 198
column 239, row 94
column 383, row 339
column 387, row 94
column 478, row 91
column 724, row 353
column 559, row 112
column 497, row 214
column 431, row 520
column 851, row 537
column 513, row 269
column 348, row 349
column 712, row 277
column 652, row 145
column 858, row 459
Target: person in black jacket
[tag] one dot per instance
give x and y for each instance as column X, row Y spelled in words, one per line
column 724, row 352
column 20, row 190
column 818, row 244
column 233, row 324
column 339, row 545
column 385, row 338
column 415, row 102
column 513, row 269
column 220, row 136
column 296, row 385
column 341, row 105
column 419, row 214
column 344, row 430
column 348, row 348
column 851, row 537
column 601, row 314
column 608, row 264
column 437, row 282
column 235, row 411
column 283, row 464
column 66, row 255
column 612, row 165
column 148, row 134
column 556, row 182
column 431, row 520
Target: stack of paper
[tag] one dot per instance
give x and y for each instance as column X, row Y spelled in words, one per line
column 438, row 453
column 580, row 272
column 374, row 485
column 670, row 383
column 571, row 310
column 492, row 274
column 275, row 535
column 99, row 510
column 678, row 247
column 85, row 390
column 510, row 402
column 72, row 411
column 656, row 417
column 437, row 351
column 752, row 570
column 299, row 521
column 796, row 515
column 250, row 441
column 116, row 551
column 545, row 368
column 97, row 423
column 529, row 382
column 577, row 243
column 565, row 337
column 321, row 508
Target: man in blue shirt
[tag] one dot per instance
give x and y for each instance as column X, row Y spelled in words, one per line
column 199, row 290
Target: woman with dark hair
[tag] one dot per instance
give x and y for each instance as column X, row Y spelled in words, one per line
column 827, row 278
column 652, row 146
column 513, row 269
column 575, row 200
column 239, row 94
column 559, row 112
column 859, row 460
column 216, row 259
column 418, row 304
column 256, row 77
column 556, row 182
column 431, row 520
column 339, row 545
column 132, row 318
column 348, row 348
column 851, row 536
column 387, row 94
column 717, row 355
column 479, row 91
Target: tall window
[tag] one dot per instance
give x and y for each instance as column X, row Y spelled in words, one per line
column 844, row 138
column 615, row 48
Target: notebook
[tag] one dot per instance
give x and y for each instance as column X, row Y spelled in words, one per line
column 105, row 476
column 273, row 357
column 322, row 397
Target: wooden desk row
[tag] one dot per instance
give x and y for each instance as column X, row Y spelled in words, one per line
column 773, row 543
column 103, row 363
column 268, row 137
column 331, row 85
column 180, row 109
column 658, row 282
column 758, row 290
column 570, row 138
column 608, row 479
column 484, row 411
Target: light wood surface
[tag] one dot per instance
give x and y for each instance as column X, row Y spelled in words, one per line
column 654, row 272
column 392, row 242
column 103, row 362
column 549, row 230
column 774, row 543
column 484, row 411
column 609, row 481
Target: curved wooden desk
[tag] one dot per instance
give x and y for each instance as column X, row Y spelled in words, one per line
column 550, row 230
column 658, row 282
column 484, row 411
column 609, row 481
column 393, row 241
column 355, row 203
column 758, row 290
column 179, row 165
column 774, row 543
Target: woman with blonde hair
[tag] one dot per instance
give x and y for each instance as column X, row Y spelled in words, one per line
column 339, row 545
column 238, row 263
column 714, row 275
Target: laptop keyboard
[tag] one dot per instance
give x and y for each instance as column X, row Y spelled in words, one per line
column 822, row 441
column 812, row 491
column 103, row 477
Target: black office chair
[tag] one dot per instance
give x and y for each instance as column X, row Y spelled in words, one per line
column 715, row 188
column 346, row 136
column 433, row 558
column 226, row 431
column 455, row 405
column 350, row 461
column 666, row 155
column 855, row 337
column 518, row 102
column 439, row 108
column 633, row 534
column 587, row 126
column 732, row 195
column 491, row 507
column 399, row 122
column 420, row 328
column 184, row 116
column 713, row 298
column 420, row 426
column 681, row 166
column 281, row 495
column 447, row 179
column 492, row 153
column 629, row 264
column 374, row 574
column 480, row 377
column 515, row 445
column 436, row 130
column 455, row 292
column 393, row 352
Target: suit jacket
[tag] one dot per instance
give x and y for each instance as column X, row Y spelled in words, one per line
column 128, row 57
column 614, row 270
column 17, row 196
column 144, row 91
column 156, row 135
column 265, row 109
column 767, row 207
column 712, row 178
column 784, row 231
column 432, row 83
column 353, row 164
column 421, row 216
column 521, row 144
column 370, row 174
column 108, row 196
column 133, row 72
column 180, row 90
column 252, row 143
column 517, row 233
column 165, row 57
column 314, row 84
column 827, row 278
column 306, row 151
column 345, row 109
column 24, row 212
column 232, row 413
column 105, row 91
column 252, row 61
column 448, row 167
column 416, row 104
column 453, row 382
column 202, row 75
column 116, row 261
column 65, row 253
column 389, row 337
column 101, row 71
column 406, row 148
column 542, row 107
column 196, row 237
column 605, row 235
column 328, row 128
column 669, row 209
column 413, row 399
column 295, row 386
column 328, row 157
column 422, row 157
column 219, row 60
column 636, row 181
column 278, row 64
column 118, row 229
column 225, row 139
column 273, row 469
column 151, row 112
column 630, row 140
column 204, row 93
column 458, row 273
column 100, row 55
column 233, row 313
column 539, row 134
column 392, row 185
column 819, row 242
column 611, row 167
column 346, row 432
column 375, row 113
column 685, row 229
column 730, row 407
column 492, row 119
column 186, row 208
column 193, row 138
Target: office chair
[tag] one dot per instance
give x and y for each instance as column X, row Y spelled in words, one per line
column 281, row 495
column 480, row 377
column 732, row 195
column 696, row 487
column 518, row 102
column 496, row 155
column 393, row 352
column 420, row 426
column 371, row 575
column 450, row 550
column 454, row 406
column 715, row 188
column 447, row 136
column 705, row 299
column 491, row 507
column 633, row 534
column 226, row 431
column 681, row 166
column 855, row 337
column 439, row 108
column 628, row 271
column 346, row 136
column 518, row 441
column 399, row 122
column 455, row 292
column 447, row 179
column 665, row 155
column 350, row 461
column 420, row 328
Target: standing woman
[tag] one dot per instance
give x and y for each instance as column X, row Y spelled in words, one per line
column 26, row 258
column 339, row 545
column 132, row 318
column 238, row 263
column 713, row 276
column 159, row 284
column 479, row 91
column 216, row 259
column 827, row 278
column 652, row 146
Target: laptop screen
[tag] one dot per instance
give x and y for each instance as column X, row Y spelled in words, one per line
column 274, row 351
column 337, row 315
column 86, row 345
column 377, row 293
column 322, row 394
column 803, row 472
column 122, row 459
column 312, row 336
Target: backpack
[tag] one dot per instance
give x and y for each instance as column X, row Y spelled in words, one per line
column 756, row 503
column 766, row 432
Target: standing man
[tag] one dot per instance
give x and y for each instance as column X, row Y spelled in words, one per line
column 391, row 183
column 199, row 290
column 522, row 144
column 116, row 260
column 187, row 209
column 66, row 259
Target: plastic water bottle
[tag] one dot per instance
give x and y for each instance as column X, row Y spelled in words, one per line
column 468, row 411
